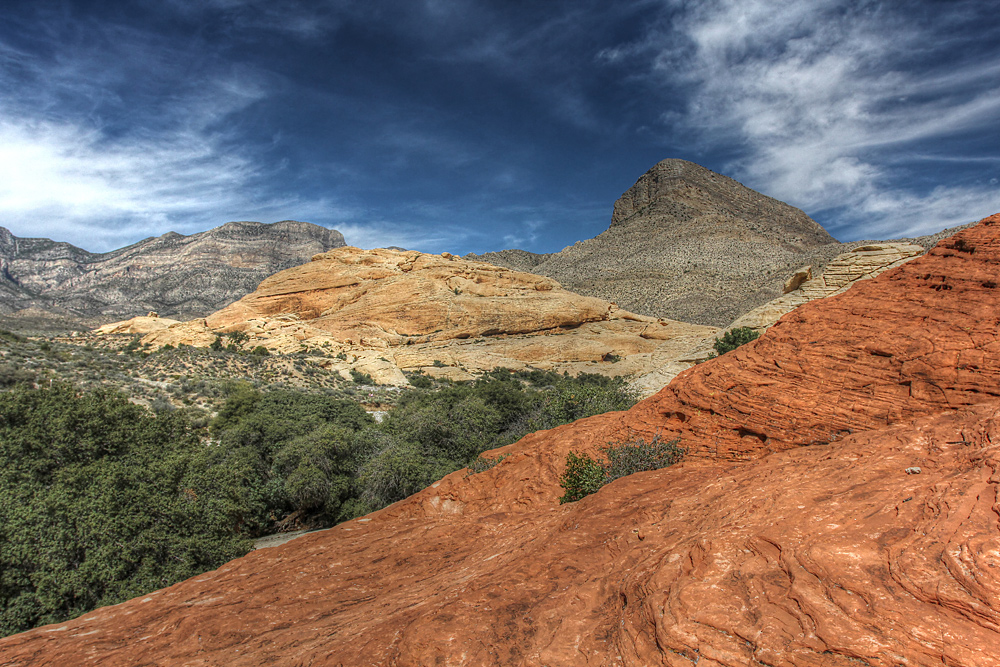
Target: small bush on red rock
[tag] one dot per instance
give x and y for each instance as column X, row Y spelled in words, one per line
column 733, row 338
column 585, row 476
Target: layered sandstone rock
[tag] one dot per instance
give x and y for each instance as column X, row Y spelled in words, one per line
column 385, row 311
column 143, row 324
column 756, row 550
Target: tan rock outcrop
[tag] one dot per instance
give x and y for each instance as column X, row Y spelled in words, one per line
column 137, row 325
column 385, row 311
column 354, row 294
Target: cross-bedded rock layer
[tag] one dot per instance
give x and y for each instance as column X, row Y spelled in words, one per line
column 830, row 554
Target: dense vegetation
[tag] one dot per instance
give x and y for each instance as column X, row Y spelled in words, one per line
column 585, row 475
column 102, row 500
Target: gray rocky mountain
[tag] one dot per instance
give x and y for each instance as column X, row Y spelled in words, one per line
column 689, row 244
column 178, row 276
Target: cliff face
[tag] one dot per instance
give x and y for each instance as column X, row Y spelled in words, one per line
column 176, row 275
column 839, row 508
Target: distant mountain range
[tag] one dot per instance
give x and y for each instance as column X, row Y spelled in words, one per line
column 178, row 276
column 685, row 243
column 689, row 244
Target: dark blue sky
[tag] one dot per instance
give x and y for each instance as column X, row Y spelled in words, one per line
column 466, row 125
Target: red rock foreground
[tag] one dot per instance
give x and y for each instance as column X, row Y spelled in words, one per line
column 756, row 550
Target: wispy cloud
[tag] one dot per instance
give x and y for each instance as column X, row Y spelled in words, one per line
column 90, row 157
column 824, row 100
column 302, row 20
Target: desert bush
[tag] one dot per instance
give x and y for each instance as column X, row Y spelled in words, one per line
column 361, row 378
column 11, row 337
column 628, row 458
column 11, row 375
column 733, row 338
column 419, row 380
column 585, row 475
column 295, row 449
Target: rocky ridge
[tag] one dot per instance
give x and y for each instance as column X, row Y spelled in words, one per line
column 689, row 244
column 175, row 275
column 839, row 507
column 382, row 312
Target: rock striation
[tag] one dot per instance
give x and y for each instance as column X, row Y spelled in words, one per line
column 689, row 244
column 175, row 275
column 799, row 532
column 386, row 311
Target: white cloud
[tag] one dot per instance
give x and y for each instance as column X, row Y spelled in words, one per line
column 79, row 163
column 824, row 100
column 73, row 183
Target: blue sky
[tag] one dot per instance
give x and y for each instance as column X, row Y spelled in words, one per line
column 475, row 125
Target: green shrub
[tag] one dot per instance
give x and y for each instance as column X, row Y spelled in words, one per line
column 361, row 378
column 101, row 501
column 11, row 375
column 733, row 338
column 420, row 381
column 627, row 458
column 585, row 475
column 260, row 351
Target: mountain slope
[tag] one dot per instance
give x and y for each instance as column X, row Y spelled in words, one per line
column 688, row 244
column 176, row 275
column 876, row 544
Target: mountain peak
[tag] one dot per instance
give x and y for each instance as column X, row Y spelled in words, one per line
column 688, row 244
column 675, row 191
